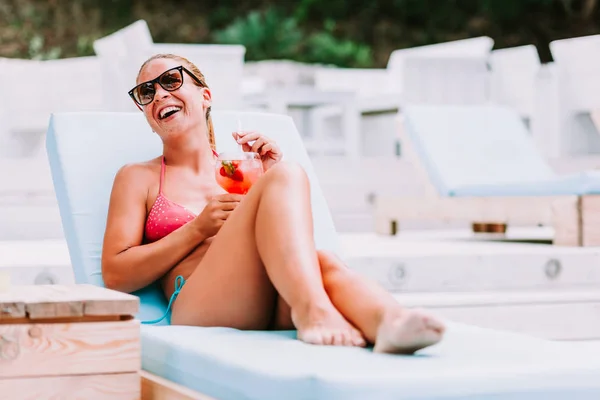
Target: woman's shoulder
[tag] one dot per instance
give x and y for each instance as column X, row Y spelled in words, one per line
column 138, row 172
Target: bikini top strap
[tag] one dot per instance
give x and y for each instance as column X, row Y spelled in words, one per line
column 162, row 175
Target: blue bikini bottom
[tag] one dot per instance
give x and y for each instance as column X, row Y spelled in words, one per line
column 179, row 282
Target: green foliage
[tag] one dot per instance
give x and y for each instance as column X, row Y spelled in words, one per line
column 325, row 48
column 269, row 35
column 341, row 32
column 266, row 35
column 38, row 52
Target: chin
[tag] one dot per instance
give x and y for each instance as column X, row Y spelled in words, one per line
column 176, row 128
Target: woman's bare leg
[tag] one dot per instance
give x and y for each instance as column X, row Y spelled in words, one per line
column 381, row 319
column 266, row 247
column 375, row 312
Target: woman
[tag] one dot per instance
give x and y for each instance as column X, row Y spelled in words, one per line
column 248, row 262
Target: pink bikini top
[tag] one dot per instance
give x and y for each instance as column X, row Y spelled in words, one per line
column 165, row 216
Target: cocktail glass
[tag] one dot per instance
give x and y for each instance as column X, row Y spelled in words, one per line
column 236, row 172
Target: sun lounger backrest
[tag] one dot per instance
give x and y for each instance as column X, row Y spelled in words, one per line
column 514, row 74
column 68, row 84
column 578, row 61
column 445, row 80
column 364, row 82
column 472, row 47
column 473, row 145
column 85, row 150
column 121, row 54
column 221, row 65
column 133, row 37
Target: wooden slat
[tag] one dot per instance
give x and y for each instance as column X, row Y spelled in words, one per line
column 590, row 220
column 157, row 388
column 61, row 301
column 66, row 320
column 10, row 309
column 566, row 219
column 71, row 348
column 89, row 387
column 517, row 210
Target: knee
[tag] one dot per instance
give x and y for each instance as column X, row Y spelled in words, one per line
column 288, row 173
column 329, row 263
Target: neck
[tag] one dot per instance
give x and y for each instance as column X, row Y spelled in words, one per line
column 191, row 150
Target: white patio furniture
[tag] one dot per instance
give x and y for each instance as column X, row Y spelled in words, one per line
column 578, row 78
column 34, row 89
column 513, row 78
column 380, row 93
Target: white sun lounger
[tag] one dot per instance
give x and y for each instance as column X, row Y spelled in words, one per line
column 482, row 166
column 86, row 150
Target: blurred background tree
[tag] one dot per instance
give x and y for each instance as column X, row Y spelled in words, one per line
column 351, row 33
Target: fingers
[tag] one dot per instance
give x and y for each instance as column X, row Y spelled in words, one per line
column 226, row 206
column 268, row 148
column 262, row 144
column 227, row 197
column 245, row 137
column 222, row 215
column 258, row 143
column 227, row 202
column 246, row 147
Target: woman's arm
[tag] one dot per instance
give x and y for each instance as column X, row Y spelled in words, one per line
column 127, row 264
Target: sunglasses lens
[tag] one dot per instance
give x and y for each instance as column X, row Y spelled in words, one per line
column 144, row 94
column 171, row 80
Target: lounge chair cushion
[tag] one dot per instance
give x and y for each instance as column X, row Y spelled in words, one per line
column 576, row 184
column 471, row 363
column 474, row 146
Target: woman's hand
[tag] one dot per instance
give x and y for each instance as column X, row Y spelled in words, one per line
column 255, row 142
column 216, row 212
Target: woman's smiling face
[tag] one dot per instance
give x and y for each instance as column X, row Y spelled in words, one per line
column 173, row 112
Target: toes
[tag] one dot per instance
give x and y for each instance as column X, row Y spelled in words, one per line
column 431, row 322
column 312, row 337
column 343, row 338
column 358, row 340
column 337, row 338
column 332, row 338
column 326, row 338
column 435, row 324
column 349, row 338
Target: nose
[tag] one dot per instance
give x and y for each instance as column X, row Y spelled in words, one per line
column 159, row 93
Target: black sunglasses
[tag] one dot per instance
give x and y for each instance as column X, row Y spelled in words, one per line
column 170, row 80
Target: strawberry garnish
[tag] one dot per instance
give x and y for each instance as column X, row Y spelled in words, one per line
column 237, row 175
column 230, row 169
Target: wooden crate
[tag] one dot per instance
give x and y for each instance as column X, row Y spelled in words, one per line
column 69, row 342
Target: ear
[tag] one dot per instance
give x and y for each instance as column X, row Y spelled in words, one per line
column 206, row 97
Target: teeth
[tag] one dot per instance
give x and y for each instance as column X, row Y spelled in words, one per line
column 166, row 110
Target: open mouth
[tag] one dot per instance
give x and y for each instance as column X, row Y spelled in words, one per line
column 168, row 111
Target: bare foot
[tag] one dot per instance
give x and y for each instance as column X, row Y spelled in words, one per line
column 326, row 326
column 407, row 331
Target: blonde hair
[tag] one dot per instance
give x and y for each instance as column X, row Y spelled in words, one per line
column 194, row 70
